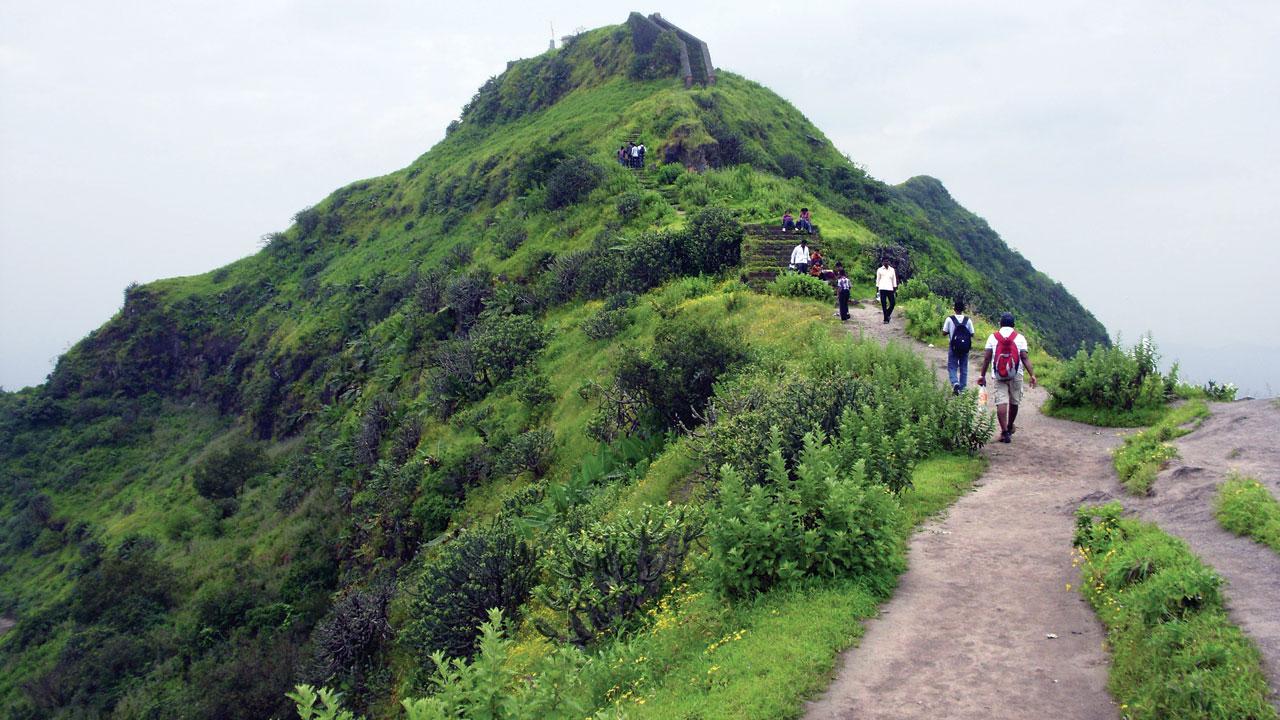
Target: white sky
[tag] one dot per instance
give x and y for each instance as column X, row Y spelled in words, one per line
column 1130, row 150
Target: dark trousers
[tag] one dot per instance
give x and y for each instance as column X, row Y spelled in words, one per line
column 888, row 301
column 802, row 268
column 844, row 304
column 804, row 225
column 788, row 225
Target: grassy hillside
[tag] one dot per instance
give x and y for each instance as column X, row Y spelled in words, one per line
column 263, row 475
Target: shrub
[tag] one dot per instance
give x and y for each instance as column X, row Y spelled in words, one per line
column 790, row 165
column 529, row 451
column 465, row 295
column 600, row 576
column 354, row 631
column 223, row 473
column 913, row 288
column 1111, row 378
column 1219, row 393
column 605, row 324
column 572, row 180
column 715, row 240
column 823, row 520
column 660, row 60
column 1174, row 651
column 629, row 204
column 484, row 568
column 503, row 343
column 669, row 173
column 795, row 285
column 925, row 316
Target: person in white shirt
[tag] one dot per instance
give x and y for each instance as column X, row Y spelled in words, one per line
column 842, row 290
column 887, row 285
column 800, row 257
column 959, row 331
column 1008, row 392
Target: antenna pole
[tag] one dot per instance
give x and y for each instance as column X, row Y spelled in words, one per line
column 553, row 34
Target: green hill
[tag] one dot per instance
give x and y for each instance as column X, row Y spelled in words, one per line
column 322, row 462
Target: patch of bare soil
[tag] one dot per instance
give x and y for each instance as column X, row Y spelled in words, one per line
column 1245, row 437
column 6, row 623
column 982, row 624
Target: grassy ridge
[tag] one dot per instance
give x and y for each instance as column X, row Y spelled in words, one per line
column 1175, row 654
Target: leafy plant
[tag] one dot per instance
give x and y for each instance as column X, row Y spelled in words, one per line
column 601, row 575
column 223, row 473
column 1111, row 378
column 1246, row 507
column 571, row 181
column 795, row 285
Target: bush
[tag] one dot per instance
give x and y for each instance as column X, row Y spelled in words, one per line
column 629, row 204
column 600, row 576
column 661, row 60
column 669, row 173
column 795, row 285
column 913, row 288
column 823, row 520
column 715, row 240
column 529, row 451
column 605, row 324
column 503, row 343
column 790, row 165
column 1174, row 651
column 484, row 568
column 224, row 473
column 1111, row 378
column 571, row 181
column 354, row 631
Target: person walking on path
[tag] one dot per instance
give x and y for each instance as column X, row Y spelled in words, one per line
column 887, row 286
column 1007, row 349
column 959, row 332
column 842, row 292
column 800, row 257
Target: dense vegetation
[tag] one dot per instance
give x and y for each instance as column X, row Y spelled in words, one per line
column 503, row 377
column 1246, row 507
column 1175, row 654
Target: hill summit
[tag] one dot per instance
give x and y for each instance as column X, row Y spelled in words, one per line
column 322, row 462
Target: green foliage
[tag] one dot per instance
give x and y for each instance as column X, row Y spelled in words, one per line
column 1219, row 393
column 1111, row 379
column 715, row 240
column 504, row 343
column 661, row 60
column 1174, row 651
column 599, row 577
column 527, row 452
column 1246, row 507
column 1144, row 454
column 669, row 173
column 822, row 520
column 925, row 315
column 571, row 181
column 485, row 568
column 319, row 704
column 795, row 285
column 605, row 324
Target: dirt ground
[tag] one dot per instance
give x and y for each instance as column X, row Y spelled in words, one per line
column 982, row 624
column 5, row 624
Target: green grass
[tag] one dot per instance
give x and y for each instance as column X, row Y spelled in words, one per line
column 1107, row 417
column 1245, row 507
column 1174, row 651
column 1144, row 454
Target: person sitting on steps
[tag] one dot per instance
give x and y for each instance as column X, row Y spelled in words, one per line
column 815, row 263
column 886, row 287
column 1009, row 350
column 805, row 223
column 800, row 257
column 788, row 222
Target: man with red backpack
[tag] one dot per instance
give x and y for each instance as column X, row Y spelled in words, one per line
column 1006, row 355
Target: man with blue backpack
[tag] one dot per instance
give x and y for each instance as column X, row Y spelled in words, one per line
column 1006, row 355
column 959, row 330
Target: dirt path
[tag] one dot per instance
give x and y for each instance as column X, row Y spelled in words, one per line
column 966, row 635
column 5, row 624
column 1242, row 436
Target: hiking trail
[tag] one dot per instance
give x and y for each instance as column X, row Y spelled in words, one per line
column 966, row 634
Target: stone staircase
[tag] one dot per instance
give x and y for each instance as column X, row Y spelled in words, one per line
column 766, row 251
column 647, row 179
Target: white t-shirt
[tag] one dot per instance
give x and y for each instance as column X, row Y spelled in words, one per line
column 949, row 327
column 1020, row 342
column 800, row 255
column 886, row 278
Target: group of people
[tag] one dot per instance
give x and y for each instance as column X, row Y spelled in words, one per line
column 631, row 155
column 808, row 261
column 791, row 224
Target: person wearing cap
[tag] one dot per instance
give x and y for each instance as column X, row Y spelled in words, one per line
column 1008, row 393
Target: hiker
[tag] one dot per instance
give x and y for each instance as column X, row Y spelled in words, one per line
column 800, row 257
column 959, row 331
column 634, row 152
column 815, row 263
column 622, row 155
column 788, row 222
column 886, row 287
column 842, row 292
column 805, row 222
column 1008, row 348
column 643, row 150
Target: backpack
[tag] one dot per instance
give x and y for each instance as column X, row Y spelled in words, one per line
column 1007, row 358
column 961, row 338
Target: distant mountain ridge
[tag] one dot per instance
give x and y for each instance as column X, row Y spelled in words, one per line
column 218, row 492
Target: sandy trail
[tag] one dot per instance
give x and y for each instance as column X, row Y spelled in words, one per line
column 1242, row 436
column 966, row 635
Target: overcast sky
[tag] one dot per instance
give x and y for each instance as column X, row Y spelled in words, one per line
column 1130, row 150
